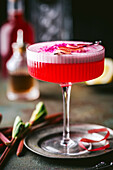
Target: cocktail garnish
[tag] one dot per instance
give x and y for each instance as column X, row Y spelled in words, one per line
column 107, row 145
column 70, row 48
column 63, row 50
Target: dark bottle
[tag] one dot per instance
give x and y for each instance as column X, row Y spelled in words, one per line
column 20, row 85
column 9, row 31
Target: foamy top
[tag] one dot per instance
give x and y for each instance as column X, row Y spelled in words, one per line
column 65, row 52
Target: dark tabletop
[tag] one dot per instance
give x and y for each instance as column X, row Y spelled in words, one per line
column 89, row 104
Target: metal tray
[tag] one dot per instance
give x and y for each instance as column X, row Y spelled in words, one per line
column 33, row 141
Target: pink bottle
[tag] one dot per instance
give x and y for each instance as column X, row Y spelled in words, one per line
column 9, row 31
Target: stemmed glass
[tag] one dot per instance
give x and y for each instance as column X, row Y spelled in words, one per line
column 65, row 63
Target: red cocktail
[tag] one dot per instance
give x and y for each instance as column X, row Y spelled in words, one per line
column 65, row 63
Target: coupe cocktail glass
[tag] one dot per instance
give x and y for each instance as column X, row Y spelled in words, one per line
column 65, row 63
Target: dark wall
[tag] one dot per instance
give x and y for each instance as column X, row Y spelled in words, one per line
column 3, row 11
column 93, row 20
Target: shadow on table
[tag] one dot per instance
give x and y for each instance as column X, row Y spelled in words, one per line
column 81, row 163
column 67, row 164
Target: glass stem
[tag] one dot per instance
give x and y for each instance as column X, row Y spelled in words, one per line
column 66, row 90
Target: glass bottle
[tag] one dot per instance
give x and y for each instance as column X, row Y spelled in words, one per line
column 20, row 85
column 9, row 31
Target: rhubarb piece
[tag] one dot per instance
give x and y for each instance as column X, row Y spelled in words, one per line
column 17, row 127
column 70, row 48
column 4, row 139
column 38, row 113
column 20, row 148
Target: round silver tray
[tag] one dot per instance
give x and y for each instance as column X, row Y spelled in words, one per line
column 35, row 139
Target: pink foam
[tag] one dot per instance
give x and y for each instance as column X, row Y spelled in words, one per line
column 44, row 52
column 51, row 47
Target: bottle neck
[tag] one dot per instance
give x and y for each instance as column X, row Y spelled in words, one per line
column 15, row 9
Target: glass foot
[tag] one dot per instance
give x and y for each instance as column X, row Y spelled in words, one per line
column 54, row 144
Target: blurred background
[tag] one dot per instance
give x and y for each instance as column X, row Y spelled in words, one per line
column 68, row 19
column 65, row 20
